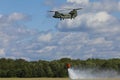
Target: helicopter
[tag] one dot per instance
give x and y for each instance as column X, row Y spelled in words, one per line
column 71, row 15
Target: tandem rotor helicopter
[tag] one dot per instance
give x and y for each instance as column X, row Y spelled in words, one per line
column 71, row 15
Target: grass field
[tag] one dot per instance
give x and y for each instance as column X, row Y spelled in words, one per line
column 34, row 79
column 51, row 79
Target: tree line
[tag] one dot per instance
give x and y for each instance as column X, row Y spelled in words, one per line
column 56, row 68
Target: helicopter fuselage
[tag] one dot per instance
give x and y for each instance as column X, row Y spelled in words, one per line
column 62, row 16
column 72, row 14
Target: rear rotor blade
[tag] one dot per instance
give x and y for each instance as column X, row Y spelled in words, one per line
column 51, row 11
column 66, row 9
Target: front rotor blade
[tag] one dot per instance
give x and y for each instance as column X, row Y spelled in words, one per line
column 51, row 11
column 79, row 8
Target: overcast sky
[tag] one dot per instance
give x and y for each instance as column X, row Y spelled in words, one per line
column 29, row 32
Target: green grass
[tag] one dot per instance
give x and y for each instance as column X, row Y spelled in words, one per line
column 51, row 79
column 34, row 79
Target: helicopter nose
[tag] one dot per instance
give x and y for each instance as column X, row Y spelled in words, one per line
column 55, row 16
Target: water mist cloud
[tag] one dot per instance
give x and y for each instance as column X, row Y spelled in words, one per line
column 91, row 73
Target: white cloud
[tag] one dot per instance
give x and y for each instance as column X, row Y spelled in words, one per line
column 92, row 34
column 105, row 5
column 34, row 45
column 28, row 59
column 17, row 16
column 8, row 20
column 49, row 2
column 77, row 45
column 94, row 6
column 58, row 44
column 45, row 37
column 99, row 22
column 1, row 16
column 46, row 49
column 11, row 34
column 119, row 5
column 101, row 17
column 100, row 40
column 2, row 52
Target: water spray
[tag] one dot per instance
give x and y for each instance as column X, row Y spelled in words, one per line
column 79, row 73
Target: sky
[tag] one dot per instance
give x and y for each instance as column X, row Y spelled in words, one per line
column 29, row 32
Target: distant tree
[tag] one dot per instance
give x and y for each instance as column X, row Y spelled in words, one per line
column 56, row 68
column 11, row 73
